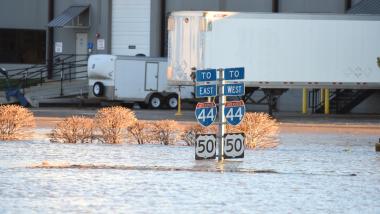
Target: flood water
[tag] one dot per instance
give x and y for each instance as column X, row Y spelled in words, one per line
column 307, row 173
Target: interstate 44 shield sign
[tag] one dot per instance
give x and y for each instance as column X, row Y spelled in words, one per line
column 234, row 112
column 205, row 113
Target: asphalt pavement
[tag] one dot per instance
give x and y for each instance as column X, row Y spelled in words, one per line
column 188, row 116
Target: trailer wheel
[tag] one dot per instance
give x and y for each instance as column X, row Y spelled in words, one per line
column 98, row 89
column 172, row 101
column 155, row 101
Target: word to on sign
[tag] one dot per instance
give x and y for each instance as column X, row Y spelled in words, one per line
column 234, row 73
column 206, row 75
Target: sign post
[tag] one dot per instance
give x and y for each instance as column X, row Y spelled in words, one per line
column 222, row 118
column 229, row 145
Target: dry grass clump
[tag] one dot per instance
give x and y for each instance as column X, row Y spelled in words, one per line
column 166, row 132
column 260, row 130
column 113, row 122
column 139, row 132
column 14, row 120
column 73, row 130
column 192, row 131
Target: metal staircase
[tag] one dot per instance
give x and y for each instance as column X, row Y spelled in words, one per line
column 30, row 85
column 342, row 101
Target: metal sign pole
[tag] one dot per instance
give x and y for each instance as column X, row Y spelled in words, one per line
column 222, row 119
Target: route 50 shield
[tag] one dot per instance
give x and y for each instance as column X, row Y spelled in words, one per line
column 234, row 145
column 205, row 146
column 205, row 113
column 234, row 112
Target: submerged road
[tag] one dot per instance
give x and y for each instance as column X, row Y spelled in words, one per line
column 289, row 122
column 188, row 115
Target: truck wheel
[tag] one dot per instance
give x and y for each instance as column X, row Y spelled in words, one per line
column 172, row 101
column 155, row 101
column 98, row 89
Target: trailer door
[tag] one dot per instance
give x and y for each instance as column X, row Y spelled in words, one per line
column 151, row 76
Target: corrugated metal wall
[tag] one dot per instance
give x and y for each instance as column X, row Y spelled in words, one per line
column 23, row 14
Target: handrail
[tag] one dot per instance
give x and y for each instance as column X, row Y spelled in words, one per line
column 65, row 67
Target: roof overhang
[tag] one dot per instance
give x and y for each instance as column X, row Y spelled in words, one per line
column 76, row 16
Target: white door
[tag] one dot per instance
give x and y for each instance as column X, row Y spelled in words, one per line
column 151, row 76
column 81, row 52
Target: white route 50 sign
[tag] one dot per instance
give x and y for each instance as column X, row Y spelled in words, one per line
column 205, row 146
column 234, row 145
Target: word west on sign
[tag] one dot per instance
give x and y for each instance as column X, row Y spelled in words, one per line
column 234, row 112
column 234, row 73
column 234, row 145
column 234, row 89
column 205, row 146
column 205, row 91
column 206, row 75
column 205, row 113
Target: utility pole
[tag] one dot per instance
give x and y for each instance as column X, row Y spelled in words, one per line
column 275, row 6
column 50, row 42
column 348, row 5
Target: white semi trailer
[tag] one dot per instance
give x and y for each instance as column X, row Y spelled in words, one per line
column 128, row 79
column 278, row 50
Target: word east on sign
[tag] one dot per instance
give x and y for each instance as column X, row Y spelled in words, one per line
column 205, row 91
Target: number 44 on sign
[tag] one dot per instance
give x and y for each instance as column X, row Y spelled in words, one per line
column 205, row 113
column 234, row 112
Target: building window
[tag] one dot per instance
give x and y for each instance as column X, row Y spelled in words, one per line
column 21, row 46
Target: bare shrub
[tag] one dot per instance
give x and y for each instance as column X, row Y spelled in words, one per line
column 14, row 120
column 73, row 130
column 260, row 130
column 192, row 131
column 113, row 122
column 139, row 132
column 166, row 131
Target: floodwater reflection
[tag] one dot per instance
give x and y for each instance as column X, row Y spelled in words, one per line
column 307, row 173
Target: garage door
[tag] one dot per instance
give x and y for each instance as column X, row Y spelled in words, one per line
column 130, row 27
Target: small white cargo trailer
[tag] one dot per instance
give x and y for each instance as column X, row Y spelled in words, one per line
column 278, row 50
column 131, row 79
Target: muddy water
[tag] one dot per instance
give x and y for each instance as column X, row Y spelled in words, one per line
column 307, row 173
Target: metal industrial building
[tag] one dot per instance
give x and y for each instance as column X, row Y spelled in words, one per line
column 74, row 25
column 36, row 31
